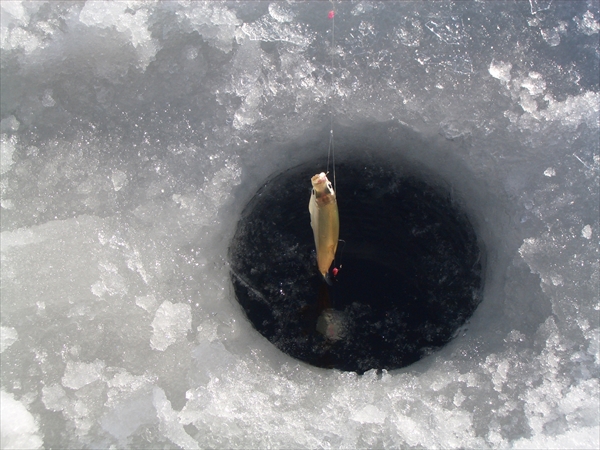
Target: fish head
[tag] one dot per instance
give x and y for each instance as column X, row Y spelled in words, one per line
column 321, row 184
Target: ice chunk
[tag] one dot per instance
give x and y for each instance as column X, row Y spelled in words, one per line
column 270, row 30
column 500, row 70
column 534, row 83
column 15, row 11
column 128, row 414
column 129, row 405
column 369, row 414
column 551, row 36
column 18, row 428
column 451, row 427
column 552, row 413
column 550, row 172
column 579, row 438
column 191, row 53
column 47, row 100
column 527, row 102
column 119, row 179
column 211, row 359
column 169, row 421
column 280, row 12
column 410, row 32
column 586, row 232
column 21, row 237
column 79, row 374
column 539, row 5
column 15, row 32
column 498, row 369
column 9, row 124
column 148, row 302
column 171, row 324
column 246, row 84
column 106, row 14
column 215, row 23
column 218, row 189
column 8, row 336
column 362, row 8
column 7, row 148
column 19, row 38
column 54, row 397
column 111, row 282
column 574, row 110
column 129, row 18
column 587, row 23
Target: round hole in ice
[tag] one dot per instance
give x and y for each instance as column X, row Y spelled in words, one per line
column 409, row 268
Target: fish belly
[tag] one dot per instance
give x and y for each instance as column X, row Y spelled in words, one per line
column 326, row 229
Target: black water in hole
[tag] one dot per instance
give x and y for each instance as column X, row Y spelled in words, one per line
column 410, row 275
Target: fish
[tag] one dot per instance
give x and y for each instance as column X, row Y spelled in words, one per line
column 325, row 222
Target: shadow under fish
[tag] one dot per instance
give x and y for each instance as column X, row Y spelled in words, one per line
column 323, row 321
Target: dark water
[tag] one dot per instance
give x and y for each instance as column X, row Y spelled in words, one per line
column 410, row 272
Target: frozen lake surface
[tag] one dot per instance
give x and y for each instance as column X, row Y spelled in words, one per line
column 133, row 134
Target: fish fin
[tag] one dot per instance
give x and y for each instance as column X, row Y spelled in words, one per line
column 328, row 279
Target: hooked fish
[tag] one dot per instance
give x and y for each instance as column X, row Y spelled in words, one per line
column 325, row 222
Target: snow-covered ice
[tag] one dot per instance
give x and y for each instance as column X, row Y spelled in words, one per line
column 19, row 427
column 132, row 136
column 171, row 323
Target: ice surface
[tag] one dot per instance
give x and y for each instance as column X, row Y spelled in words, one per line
column 9, row 124
column 215, row 23
column 8, row 148
column 268, row 30
column 171, row 323
column 130, row 18
column 587, row 23
column 539, row 5
column 130, row 400
column 132, row 136
column 170, row 424
column 19, row 427
column 369, row 414
column 500, row 70
column 280, row 12
column 8, row 336
column 79, row 374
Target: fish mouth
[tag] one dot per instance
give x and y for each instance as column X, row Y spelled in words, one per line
column 319, row 179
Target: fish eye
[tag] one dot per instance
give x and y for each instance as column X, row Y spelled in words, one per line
column 313, row 192
column 329, row 186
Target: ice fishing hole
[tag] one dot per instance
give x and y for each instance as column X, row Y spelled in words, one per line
column 410, row 272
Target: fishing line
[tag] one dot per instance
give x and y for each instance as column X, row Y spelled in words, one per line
column 341, row 259
column 331, row 149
